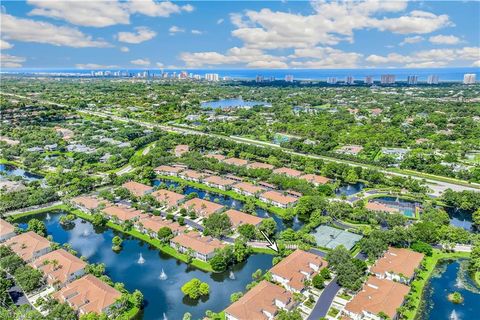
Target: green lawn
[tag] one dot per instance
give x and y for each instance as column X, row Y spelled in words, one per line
column 43, row 210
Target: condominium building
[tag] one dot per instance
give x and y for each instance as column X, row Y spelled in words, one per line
column 202, row 247
column 397, row 264
column 211, row 77
column 7, row 230
column 469, row 78
column 368, row 80
column 387, row 79
column 413, row 79
column 29, row 245
column 432, row 79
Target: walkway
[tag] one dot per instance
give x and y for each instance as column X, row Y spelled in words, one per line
column 42, row 206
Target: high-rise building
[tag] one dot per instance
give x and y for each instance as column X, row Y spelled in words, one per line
column 432, row 79
column 412, row 79
column 469, row 78
column 259, row 78
column 369, row 80
column 211, row 76
column 183, row 75
column 331, row 80
column 387, row 79
column 349, row 80
column 289, row 78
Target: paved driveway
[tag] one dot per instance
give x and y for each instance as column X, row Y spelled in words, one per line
column 323, row 304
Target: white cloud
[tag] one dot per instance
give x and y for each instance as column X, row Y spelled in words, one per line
column 444, row 39
column 141, row 62
column 157, row 9
column 415, row 22
column 140, row 35
column 9, row 61
column 124, row 49
column 220, row 21
column 159, row 64
column 4, row 45
column 476, row 64
column 325, row 57
column 267, row 64
column 194, row 31
column 95, row 66
column 28, row 30
column 410, row 40
column 174, row 29
column 188, row 8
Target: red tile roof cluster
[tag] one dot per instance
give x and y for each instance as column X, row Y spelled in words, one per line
column 198, row 243
column 137, row 189
column 216, row 156
column 219, row 181
column 398, row 261
column 202, row 207
column 288, row 172
column 89, row 202
column 168, row 169
column 278, row 197
column 239, row 218
column 235, row 162
column 155, row 223
column 25, row 245
column 5, row 228
column 181, row 149
column 260, row 165
column 60, row 271
column 123, row 213
column 249, row 187
column 315, row 179
column 171, row 198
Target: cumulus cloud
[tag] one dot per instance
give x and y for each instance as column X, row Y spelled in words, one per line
column 476, row 64
column 410, row 40
column 159, row 64
column 9, row 61
column 174, row 29
column 220, row 21
column 325, row 57
column 444, row 39
column 124, row 49
column 140, row 35
column 28, row 30
column 157, row 9
column 95, row 66
column 141, row 62
column 4, row 45
column 197, row 32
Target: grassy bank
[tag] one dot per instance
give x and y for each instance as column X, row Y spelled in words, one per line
column 43, row 210
column 423, row 276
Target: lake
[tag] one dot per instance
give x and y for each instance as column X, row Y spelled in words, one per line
column 163, row 298
column 349, row 189
column 450, row 276
column 233, row 103
column 227, row 201
column 10, row 170
column 460, row 218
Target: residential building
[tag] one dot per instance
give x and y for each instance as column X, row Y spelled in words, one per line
column 218, row 182
column 263, row 301
column 288, row 172
column 412, row 80
column 29, row 245
column 248, row 189
column 219, row 157
column 331, row 80
column 289, row 78
column 88, row 203
column 380, row 207
column 378, row 296
column 469, row 78
column 168, row 198
column 315, row 179
column 233, row 177
column 7, row 230
column 137, row 189
column 192, row 175
column 294, row 270
column 397, row 264
column 236, row 162
column 151, row 224
column 168, row 170
column 278, row 199
column 60, row 267
column 181, row 149
column 387, row 79
column 267, row 185
column 349, row 80
column 350, row 150
column 203, row 248
column 432, row 79
column 202, row 208
column 260, row 165
column 121, row 213
column 368, row 80
column 211, row 76
column 238, row 218
column 88, row 294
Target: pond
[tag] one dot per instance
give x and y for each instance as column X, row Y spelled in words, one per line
column 227, row 201
column 460, row 218
column 9, row 170
column 233, row 103
column 407, row 207
column 163, row 297
column 450, row 276
column 349, row 189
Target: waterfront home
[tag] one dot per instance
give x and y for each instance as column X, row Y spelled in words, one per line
column 88, row 294
column 377, row 297
column 137, row 189
column 203, row 248
column 293, row 193
column 352, row 150
column 278, row 199
column 192, row 175
column 260, row 165
column 294, row 270
column 202, row 208
column 292, row 173
column 29, row 245
column 236, row 162
column 7, row 230
column 397, row 264
column 181, row 149
column 88, row 203
column 60, row 267
column 168, row 170
column 380, row 207
column 218, row 157
column 314, row 179
column 151, row 224
column 168, row 198
column 248, row 189
column 263, row 301
column 234, row 177
column 121, row 213
column 218, row 182
column 238, row 218
column 267, row 185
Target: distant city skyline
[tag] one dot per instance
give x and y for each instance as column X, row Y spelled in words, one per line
column 147, row 34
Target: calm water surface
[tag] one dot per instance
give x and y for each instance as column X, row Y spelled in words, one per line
column 10, row 170
column 164, row 299
column 460, row 218
column 349, row 189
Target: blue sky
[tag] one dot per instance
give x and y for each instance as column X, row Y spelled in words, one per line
column 239, row 34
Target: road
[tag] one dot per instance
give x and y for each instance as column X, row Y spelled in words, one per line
column 438, row 186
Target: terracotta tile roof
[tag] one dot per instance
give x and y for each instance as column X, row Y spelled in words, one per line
column 219, row 157
column 258, row 299
column 89, row 202
column 249, row 187
column 315, row 179
column 398, row 261
column 26, row 244
column 260, row 165
column 278, row 197
column 235, row 161
column 5, row 228
column 288, row 172
column 380, row 207
column 378, row 295
column 202, row 207
column 155, row 223
column 88, row 294
column 295, row 265
column 238, row 218
column 171, row 198
column 123, row 213
column 194, row 241
column 354, row 149
column 137, row 189
column 168, row 169
column 67, row 264
column 192, row 174
column 181, row 149
column 267, row 185
column 219, row 181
